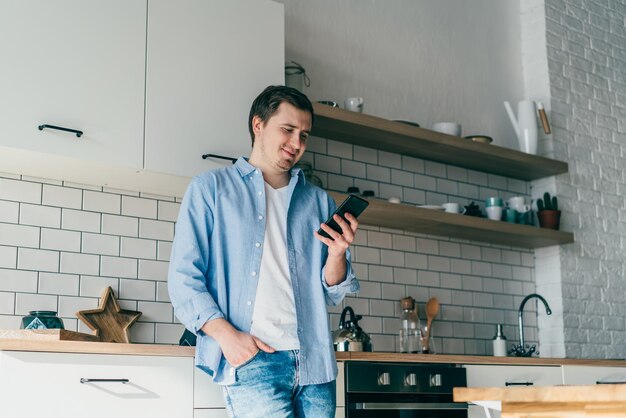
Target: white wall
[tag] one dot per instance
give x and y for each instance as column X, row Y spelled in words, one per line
column 424, row 61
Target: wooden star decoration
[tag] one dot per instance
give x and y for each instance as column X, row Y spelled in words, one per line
column 109, row 321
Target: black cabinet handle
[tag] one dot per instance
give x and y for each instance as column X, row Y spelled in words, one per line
column 84, row 380
column 608, row 382
column 231, row 159
column 519, row 384
column 60, row 128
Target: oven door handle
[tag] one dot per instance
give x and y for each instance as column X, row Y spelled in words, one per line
column 410, row 405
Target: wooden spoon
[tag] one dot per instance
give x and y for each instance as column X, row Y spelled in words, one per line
column 432, row 309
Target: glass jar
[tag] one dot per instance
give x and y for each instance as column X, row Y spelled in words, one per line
column 41, row 320
column 409, row 332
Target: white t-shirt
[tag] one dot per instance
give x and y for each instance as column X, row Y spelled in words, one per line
column 274, row 317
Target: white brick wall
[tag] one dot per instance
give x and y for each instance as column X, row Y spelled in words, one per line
column 586, row 50
column 62, row 245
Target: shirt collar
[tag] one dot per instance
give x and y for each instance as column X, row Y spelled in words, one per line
column 245, row 168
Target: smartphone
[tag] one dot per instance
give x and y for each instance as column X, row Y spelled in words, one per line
column 353, row 205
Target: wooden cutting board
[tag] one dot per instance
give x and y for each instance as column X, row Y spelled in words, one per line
column 47, row 335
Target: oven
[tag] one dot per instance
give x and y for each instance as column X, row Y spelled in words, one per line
column 403, row 390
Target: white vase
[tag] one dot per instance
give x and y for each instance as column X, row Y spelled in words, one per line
column 525, row 125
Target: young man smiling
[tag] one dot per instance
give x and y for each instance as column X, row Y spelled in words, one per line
column 251, row 277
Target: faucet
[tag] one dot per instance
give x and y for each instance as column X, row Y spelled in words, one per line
column 523, row 350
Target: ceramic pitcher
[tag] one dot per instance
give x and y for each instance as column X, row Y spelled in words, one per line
column 525, row 125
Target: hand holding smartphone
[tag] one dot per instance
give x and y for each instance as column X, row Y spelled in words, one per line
column 353, row 205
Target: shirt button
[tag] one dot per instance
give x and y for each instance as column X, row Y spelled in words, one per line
column 260, row 193
column 260, row 217
column 258, row 244
column 249, row 302
column 253, row 273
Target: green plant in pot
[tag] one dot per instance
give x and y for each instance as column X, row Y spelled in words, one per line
column 548, row 212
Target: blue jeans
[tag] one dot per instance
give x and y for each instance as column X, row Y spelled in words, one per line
column 267, row 386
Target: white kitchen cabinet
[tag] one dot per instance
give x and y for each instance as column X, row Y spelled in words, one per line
column 591, row 375
column 206, row 393
column 79, row 65
column 502, row 376
column 38, row 384
column 206, row 62
column 210, row 413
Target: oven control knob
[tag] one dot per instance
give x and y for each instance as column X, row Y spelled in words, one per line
column 384, row 379
column 410, row 380
column 435, row 380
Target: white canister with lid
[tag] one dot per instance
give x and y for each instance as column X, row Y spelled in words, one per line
column 499, row 342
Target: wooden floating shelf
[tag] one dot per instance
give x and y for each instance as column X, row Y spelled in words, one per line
column 383, row 134
column 428, row 221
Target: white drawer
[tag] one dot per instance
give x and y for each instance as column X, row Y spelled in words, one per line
column 210, row 413
column 36, row 384
column 590, row 375
column 498, row 376
column 206, row 393
column 340, row 412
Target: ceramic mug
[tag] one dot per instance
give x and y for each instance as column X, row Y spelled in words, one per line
column 509, row 215
column 494, row 212
column 450, row 128
column 355, row 104
column 451, row 207
column 517, row 203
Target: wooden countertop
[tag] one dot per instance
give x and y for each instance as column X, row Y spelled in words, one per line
column 550, row 401
column 178, row 351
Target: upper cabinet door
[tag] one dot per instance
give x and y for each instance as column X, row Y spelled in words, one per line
column 206, row 62
column 77, row 65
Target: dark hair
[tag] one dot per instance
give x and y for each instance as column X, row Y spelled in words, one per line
column 267, row 103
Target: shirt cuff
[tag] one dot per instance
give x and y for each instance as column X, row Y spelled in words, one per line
column 198, row 311
column 336, row 293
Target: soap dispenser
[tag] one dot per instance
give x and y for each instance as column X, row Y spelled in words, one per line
column 499, row 342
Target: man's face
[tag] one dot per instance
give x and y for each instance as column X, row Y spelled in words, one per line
column 282, row 139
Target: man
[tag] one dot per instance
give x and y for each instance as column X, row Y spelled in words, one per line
column 251, row 277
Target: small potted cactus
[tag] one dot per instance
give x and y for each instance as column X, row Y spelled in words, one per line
column 548, row 212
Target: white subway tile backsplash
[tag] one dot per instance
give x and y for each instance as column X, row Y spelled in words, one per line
column 168, row 211
column 339, row 149
column 156, row 229
column 353, row 168
column 378, row 239
column 428, row 278
column 94, row 286
column 155, row 311
column 139, row 248
column 101, row 202
column 61, row 240
column 392, row 258
column 138, row 289
column 40, row 260
column 405, row 276
column 379, row 273
column 390, row 190
column 80, row 221
column 153, row 270
column 425, row 182
column 327, row 163
column 366, row 255
column 389, row 159
column 65, row 197
column 80, row 263
column 366, row 155
column 69, row 305
column 416, row 261
column 141, row 208
column 412, row 164
column 7, row 303
column 168, row 333
column 9, row 211
column 100, row 244
column 164, row 250
column 58, row 284
column 393, row 291
column 142, row 333
column 119, row 267
column 40, row 215
column 378, row 173
column 20, row 191
column 120, row 225
column 436, row 263
column 162, row 294
column 19, row 235
column 26, row 302
column 18, row 281
column 402, row 178
column 8, row 257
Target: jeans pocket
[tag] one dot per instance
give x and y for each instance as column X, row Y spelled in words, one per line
column 245, row 363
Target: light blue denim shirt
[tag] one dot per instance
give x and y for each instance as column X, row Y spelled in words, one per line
column 216, row 257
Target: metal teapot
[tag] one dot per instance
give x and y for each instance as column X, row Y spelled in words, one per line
column 350, row 336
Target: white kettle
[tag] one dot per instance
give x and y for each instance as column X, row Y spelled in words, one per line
column 525, row 125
